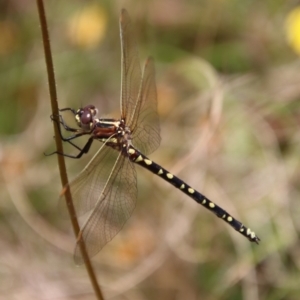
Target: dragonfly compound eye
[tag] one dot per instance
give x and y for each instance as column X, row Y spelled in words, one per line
column 92, row 109
column 86, row 119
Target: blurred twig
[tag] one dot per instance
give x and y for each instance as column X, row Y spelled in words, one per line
column 59, row 146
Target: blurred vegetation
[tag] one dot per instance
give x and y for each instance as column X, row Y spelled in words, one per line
column 228, row 92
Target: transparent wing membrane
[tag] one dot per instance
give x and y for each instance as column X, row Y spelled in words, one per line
column 86, row 188
column 114, row 207
column 138, row 92
column 131, row 70
column 145, row 121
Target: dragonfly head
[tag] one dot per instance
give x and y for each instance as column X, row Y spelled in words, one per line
column 85, row 117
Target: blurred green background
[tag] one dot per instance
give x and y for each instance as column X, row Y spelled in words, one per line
column 228, row 92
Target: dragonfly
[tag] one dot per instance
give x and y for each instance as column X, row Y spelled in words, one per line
column 106, row 188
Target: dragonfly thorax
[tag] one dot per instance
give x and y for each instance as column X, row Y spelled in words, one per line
column 113, row 132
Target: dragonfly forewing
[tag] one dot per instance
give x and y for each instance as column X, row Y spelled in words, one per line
column 131, row 70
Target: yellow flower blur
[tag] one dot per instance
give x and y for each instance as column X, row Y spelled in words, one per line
column 293, row 29
column 87, row 27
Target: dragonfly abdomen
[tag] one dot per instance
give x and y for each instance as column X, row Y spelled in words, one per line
column 139, row 158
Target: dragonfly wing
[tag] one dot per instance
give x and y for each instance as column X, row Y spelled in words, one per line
column 114, row 207
column 131, row 70
column 90, row 182
column 145, row 120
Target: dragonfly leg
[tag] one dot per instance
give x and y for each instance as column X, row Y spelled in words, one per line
column 62, row 122
column 83, row 150
column 70, row 109
column 66, row 127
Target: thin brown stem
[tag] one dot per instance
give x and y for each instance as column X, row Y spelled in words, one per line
column 59, row 147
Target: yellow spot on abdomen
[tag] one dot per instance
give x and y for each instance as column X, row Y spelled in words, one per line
column 140, row 158
column 148, row 162
column 191, row 191
column 131, row 151
column 169, row 175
